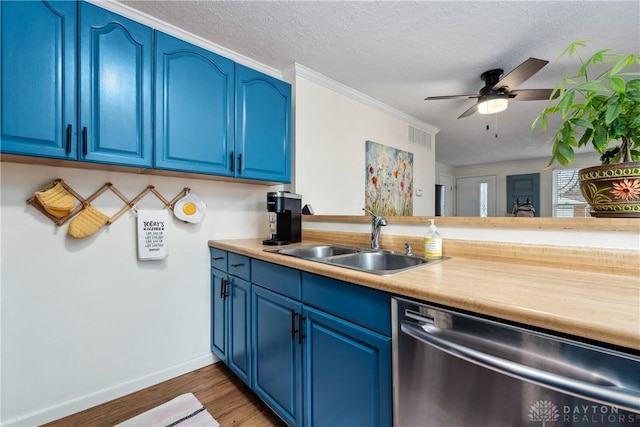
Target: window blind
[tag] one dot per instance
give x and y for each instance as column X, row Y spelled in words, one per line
column 567, row 198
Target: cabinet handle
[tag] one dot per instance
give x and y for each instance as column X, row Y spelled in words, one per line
column 218, row 258
column 301, row 334
column 294, row 331
column 239, row 162
column 226, row 288
column 84, row 141
column 237, row 265
column 69, row 132
column 222, row 285
column 233, row 158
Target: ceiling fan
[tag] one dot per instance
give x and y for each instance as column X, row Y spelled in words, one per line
column 497, row 92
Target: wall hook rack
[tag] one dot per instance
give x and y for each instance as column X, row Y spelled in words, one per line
column 128, row 204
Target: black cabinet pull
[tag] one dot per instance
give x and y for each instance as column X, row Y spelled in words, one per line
column 301, row 334
column 84, row 140
column 233, row 158
column 237, row 265
column 67, row 149
column 226, row 288
column 223, row 288
column 218, row 258
column 294, row 331
column 239, row 162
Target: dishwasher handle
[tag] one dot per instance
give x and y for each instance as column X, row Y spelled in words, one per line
column 613, row 394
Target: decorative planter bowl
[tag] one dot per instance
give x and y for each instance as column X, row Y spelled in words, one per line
column 612, row 190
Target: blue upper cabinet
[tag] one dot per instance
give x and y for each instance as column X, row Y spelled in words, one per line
column 263, row 127
column 78, row 83
column 115, row 114
column 38, row 78
column 194, row 108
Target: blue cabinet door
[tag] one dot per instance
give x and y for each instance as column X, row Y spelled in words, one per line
column 219, row 325
column 347, row 375
column 263, row 127
column 115, row 60
column 38, row 70
column 239, row 355
column 277, row 355
column 194, row 108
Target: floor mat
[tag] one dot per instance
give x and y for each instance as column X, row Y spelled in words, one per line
column 183, row 411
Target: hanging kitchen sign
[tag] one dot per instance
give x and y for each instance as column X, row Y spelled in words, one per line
column 389, row 180
column 152, row 234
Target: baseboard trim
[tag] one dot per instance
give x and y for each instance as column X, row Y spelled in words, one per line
column 90, row 400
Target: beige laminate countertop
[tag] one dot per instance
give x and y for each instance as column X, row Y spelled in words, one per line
column 596, row 306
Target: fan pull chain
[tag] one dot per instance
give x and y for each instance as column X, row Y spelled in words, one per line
column 488, row 127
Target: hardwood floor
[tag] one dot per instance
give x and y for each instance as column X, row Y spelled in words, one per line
column 226, row 398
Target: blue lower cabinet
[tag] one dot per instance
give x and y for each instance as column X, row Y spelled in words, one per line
column 277, row 353
column 315, row 356
column 347, row 378
column 219, row 314
column 239, row 354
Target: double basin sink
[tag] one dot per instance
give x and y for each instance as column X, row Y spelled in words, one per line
column 361, row 259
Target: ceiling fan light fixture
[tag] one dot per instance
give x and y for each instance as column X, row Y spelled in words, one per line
column 492, row 105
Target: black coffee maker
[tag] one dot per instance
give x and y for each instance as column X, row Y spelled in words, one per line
column 285, row 218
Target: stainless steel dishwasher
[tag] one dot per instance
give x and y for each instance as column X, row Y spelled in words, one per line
column 454, row 369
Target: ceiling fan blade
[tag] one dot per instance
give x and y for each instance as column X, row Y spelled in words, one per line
column 521, row 73
column 430, row 98
column 531, row 94
column 469, row 112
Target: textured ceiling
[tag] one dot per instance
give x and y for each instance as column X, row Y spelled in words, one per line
column 399, row 52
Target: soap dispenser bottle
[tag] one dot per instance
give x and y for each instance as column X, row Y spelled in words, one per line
column 432, row 242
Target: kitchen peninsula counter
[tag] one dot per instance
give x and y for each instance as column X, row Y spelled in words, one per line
column 597, row 306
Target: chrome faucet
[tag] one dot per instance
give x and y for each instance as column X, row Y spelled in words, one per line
column 376, row 223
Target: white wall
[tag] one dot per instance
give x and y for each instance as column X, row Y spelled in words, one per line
column 83, row 321
column 330, row 133
column 502, row 170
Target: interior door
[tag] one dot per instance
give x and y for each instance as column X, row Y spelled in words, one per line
column 476, row 196
column 521, row 188
column 447, row 181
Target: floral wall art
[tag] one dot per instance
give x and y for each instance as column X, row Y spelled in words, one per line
column 389, row 180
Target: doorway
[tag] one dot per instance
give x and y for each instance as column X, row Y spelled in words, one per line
column 447, row 181
column 476, row 196
column 521, row 188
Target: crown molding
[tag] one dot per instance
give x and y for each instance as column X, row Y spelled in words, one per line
column 299, row 70
column 288, row 74
column 157, row 24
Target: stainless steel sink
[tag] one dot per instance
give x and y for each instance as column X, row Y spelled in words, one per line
column 315, row 251
column 379, row 262
column 361, row 259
